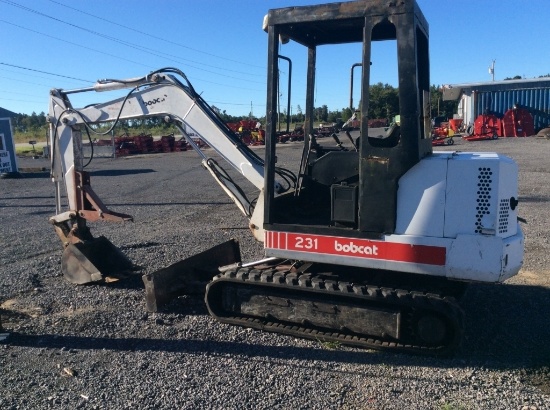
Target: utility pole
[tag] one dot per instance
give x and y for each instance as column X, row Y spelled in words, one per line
column 492, row 69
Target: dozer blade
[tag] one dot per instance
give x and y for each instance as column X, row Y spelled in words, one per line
column 188, row 276
column 93, row 261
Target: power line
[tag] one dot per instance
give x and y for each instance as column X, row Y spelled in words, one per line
column 76, row 44
column 29, row 75
column 25, row 101
column 114, row 39
column 45, row 72
column 26, row 82
column 64, row 76
column 121, row 58
column 126, row 43
column 160, row 38
column 15, row 92
column 88, row 81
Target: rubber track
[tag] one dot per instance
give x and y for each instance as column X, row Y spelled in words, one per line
column 407, row 299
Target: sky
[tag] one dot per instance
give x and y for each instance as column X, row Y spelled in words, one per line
column 221, row 47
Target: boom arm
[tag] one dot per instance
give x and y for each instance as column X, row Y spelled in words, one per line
column 159, row 94
column 153, row 95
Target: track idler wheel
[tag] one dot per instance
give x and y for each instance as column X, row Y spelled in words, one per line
column 431, row 329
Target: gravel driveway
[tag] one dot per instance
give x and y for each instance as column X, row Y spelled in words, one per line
column 95, row 347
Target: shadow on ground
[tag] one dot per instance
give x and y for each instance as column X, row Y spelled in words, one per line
column 507, row 327
column 120, row 172
column 505, row 324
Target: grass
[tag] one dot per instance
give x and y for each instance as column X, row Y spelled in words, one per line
column 27, row 152
column 25, row 137
column 331, row 345
column 452, row 406
column 40, row 134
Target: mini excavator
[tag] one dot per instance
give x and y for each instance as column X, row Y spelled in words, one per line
column 370, row 247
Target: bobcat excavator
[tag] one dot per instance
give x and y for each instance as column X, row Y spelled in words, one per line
column 370, row 246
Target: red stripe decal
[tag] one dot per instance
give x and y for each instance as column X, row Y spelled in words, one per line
column 359, row 248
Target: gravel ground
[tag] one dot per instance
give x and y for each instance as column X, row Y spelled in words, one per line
column 95, row 347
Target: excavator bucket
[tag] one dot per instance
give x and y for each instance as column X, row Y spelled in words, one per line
column 188, row 276
column 93, row 261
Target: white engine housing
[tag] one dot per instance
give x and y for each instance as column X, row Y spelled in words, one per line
column 470, row 199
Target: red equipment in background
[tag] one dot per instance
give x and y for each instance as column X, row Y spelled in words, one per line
column 456, row 124
column 518, row 122
column 486, row 127
column 442, row 134
column 296, row 135
column 142, row 144
column 326, row 130
column 250, row 131
column 378, row 123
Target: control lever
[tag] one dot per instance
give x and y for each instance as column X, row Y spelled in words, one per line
column 351, row 140
column 338, row 142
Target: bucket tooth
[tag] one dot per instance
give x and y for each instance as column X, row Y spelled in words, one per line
column 188, row 276
column 92, row 261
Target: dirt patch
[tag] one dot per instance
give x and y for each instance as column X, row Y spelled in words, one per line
column 540, row 378
column 10, row 315
column 525, row 277
column 8, row 303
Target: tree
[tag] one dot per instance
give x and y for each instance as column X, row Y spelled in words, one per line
column 30, row 123
column 334, row 116
column 346, row 114
column 299, row 114
column 383, row 101
column 324, row 113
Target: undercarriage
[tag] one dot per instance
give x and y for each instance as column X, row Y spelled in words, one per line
column 311, row 302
